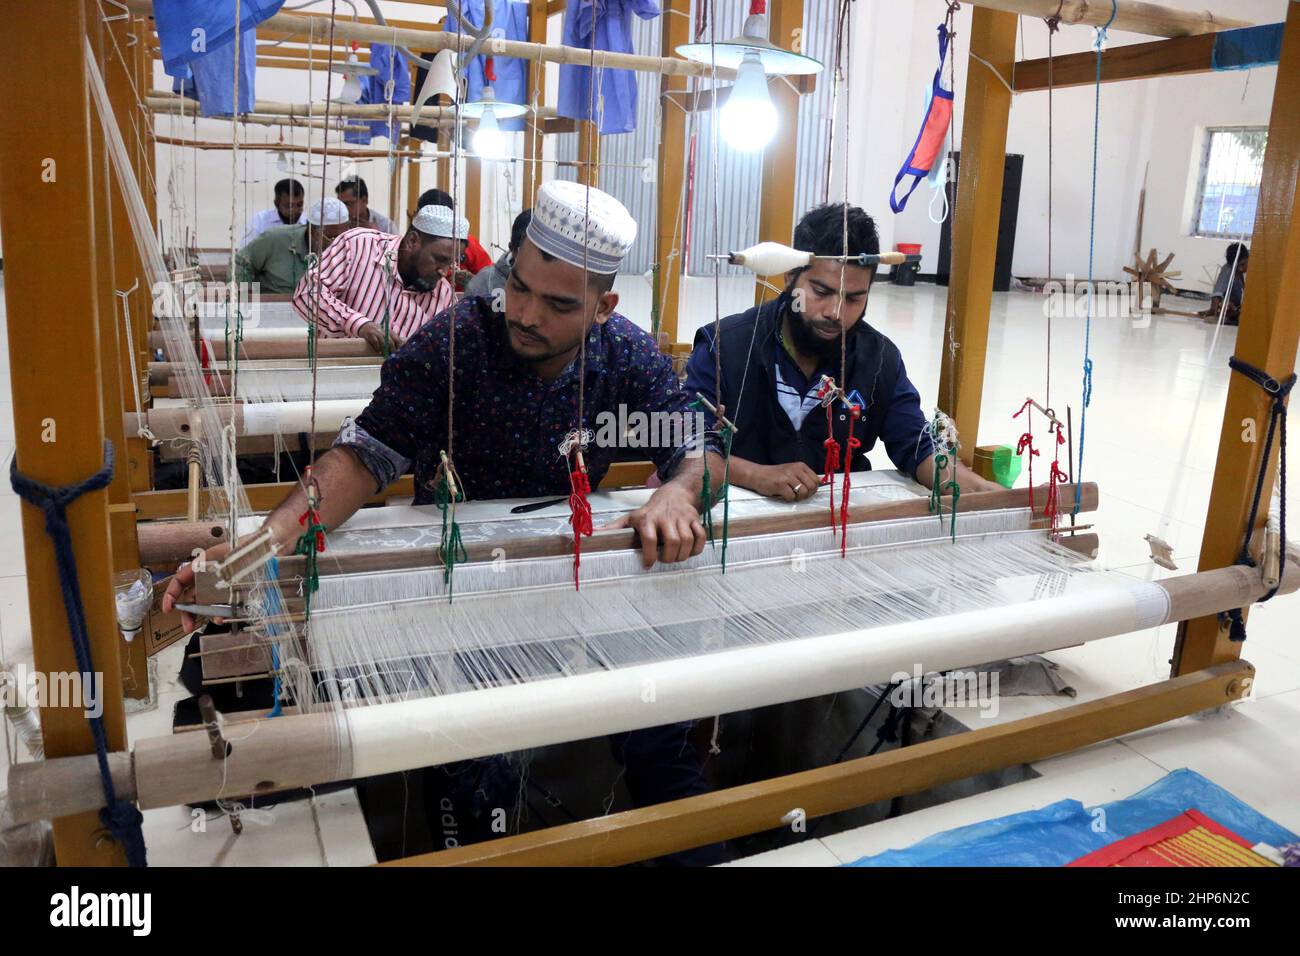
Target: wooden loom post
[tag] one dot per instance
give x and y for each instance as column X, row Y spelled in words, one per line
column 473, row 206
column 588, row 171
column 534, row 126
column 50, row 285
column 776, row 212
column 119, row 65
column 987, row 105
column 113, row 235
column 670, row 217
column 1266, row 338
column 413, row 170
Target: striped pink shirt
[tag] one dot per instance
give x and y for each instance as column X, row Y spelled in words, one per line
column 354, row 282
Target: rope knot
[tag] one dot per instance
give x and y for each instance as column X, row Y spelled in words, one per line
column 53, row 500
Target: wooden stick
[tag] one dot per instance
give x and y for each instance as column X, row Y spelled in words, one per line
column 354, row 562
column 1131, row 16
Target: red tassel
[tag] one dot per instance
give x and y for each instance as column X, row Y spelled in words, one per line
column 1027, row 441
column 852, row 444
column 579, row 515
column 832, row 458
column 1056, row 478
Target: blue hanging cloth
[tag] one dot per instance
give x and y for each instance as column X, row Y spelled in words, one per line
column 189, row 29
column 507, row 75
column 392, row 65
column 212, row 78
column 614, row 103
column 934, row 132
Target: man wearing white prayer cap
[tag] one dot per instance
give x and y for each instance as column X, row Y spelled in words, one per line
column 383, row 288
column 524, row 362
column 277, row 259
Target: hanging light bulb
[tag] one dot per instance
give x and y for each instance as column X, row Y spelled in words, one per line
column 748, row 120
column 489, row 142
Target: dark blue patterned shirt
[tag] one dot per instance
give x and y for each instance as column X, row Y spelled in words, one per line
column 508, row 422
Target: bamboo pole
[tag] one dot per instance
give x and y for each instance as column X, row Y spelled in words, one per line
column 367, row 111
column 286, row 148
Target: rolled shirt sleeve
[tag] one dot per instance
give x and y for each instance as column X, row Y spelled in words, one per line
column 408, row 406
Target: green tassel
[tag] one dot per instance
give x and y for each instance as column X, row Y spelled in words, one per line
column 452, row 548
column 311, row 576
column 936, row 486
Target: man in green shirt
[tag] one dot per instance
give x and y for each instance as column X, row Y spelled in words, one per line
column 277, row 258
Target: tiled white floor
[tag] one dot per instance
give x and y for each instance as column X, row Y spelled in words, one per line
column 1151, row 439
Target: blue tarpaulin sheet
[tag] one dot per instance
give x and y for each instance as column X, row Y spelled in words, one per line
column 1247, row 48
column 1066, row 830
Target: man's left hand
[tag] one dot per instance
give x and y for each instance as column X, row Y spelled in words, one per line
column 668, row 522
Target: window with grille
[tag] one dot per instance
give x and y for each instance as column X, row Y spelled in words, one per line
column 1228, row 187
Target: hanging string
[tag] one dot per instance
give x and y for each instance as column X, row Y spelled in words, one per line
column 1092, row 244
column 325, row 160
column 576, row 444
column 1053, row 24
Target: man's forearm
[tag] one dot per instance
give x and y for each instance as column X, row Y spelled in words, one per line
column 966, row 478
column 345, row 484
column 689, row 477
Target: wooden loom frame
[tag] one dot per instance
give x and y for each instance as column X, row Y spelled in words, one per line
column 74, row 298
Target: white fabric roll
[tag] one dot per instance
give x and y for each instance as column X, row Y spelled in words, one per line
column 419, row 733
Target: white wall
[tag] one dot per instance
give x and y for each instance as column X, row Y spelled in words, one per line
column 1147, row 126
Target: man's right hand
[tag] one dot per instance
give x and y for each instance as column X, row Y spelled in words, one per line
column 794, row 481
column 373, row 336
column 180, row 589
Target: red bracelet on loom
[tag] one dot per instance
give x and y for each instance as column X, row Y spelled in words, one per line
column 579, row 514
column 852, row 444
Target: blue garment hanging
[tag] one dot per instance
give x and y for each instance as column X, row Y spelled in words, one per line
column 392, row 65
column 614, row 102
column 212, row 78
column 509, row 75
column 189, row 29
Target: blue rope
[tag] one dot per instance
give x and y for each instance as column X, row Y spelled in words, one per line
column 274, row 608
column 121, row 819
column 1092, row 245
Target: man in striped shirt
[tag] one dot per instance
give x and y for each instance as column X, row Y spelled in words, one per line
column 383, row 288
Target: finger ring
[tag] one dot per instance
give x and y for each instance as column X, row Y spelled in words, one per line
column 797, row 487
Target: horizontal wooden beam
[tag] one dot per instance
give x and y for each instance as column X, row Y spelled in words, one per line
column 1136, row 61
column 651, row 832
column 160, row 505
column 1129, row 16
